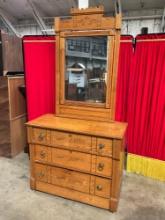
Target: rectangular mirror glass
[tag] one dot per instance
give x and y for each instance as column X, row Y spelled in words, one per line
column 86, row 69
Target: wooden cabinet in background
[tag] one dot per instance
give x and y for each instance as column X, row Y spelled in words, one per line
column 12, row 116
column 11, row 56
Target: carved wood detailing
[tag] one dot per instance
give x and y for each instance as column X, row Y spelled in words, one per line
column 89, row 22
column 91, row 10
column 91, row 18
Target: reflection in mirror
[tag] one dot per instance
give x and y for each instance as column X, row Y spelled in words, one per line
column 86, row 69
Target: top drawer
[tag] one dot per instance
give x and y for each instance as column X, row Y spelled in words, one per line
column 58, row 138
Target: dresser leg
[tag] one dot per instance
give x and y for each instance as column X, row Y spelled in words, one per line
column 32, row 183
column 113, row 204
column 32, row 168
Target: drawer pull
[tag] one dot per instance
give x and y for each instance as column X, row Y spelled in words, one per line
column 101, row 146
column 40, row 174
column 100, row 166
column 99, row 187
column 42, row 154
column 41, row 136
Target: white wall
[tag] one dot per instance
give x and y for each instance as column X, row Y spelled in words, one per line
column 29, row 30
column 132, row 27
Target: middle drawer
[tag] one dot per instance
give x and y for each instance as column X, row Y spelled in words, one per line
column 101, row 166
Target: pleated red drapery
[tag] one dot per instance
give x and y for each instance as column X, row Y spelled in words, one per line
column 39, row 59
column 144, row 108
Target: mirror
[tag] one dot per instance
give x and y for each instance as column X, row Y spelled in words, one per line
column 86, row 69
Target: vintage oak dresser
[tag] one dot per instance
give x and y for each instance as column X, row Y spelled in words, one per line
column 78, row 153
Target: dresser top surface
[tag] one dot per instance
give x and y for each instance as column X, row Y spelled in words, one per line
column 88, row 127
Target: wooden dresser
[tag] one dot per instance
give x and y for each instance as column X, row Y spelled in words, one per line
column 78, row 154
column 77, row 159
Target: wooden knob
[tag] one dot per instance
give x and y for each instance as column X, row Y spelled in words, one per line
column 100, row 166
column 101, row 146
column 42, row 154
column 99, row 187
column 41, row 136
column 40, row 174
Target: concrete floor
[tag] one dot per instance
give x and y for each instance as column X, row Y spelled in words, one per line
column 141, row 198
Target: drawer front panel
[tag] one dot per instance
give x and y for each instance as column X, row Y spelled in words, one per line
column 70, row 179
column 102, row 187
column 71, row 159
column 104, row 166
column 40, row 136
column 43, row 154
column 104, row 146
column 69, row 140
column 84, row 162
column 73, row 180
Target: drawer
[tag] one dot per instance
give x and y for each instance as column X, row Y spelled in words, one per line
column 70, row 179
column 71, row 141
column 104, row 166
column 40, row 136
column 102, row 187
column 71, row 159
column 74, row 180
column 74, row 160
column 43, row 153
column 104, row 146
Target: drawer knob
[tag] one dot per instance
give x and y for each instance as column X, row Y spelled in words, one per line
column 42, row 154
column 99, row 187
column 41, row 136
column 100, row 166
column 40, row 174
column 101, row 146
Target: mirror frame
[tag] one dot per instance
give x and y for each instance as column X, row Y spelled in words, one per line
column 110, row 44
column 66, row 28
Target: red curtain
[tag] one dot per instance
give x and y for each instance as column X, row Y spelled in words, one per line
column 145, row 92
column 123, row 78
column 39, row 59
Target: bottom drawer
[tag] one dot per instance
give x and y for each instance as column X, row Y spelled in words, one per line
column 97, row 201
column 73, row 180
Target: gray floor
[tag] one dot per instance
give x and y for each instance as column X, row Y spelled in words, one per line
column 141, row 198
